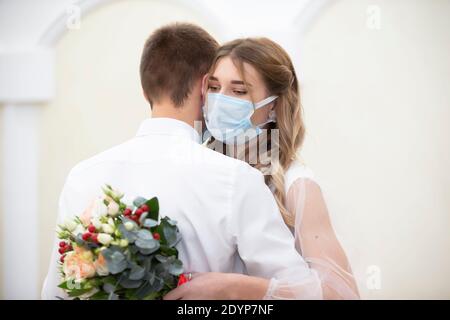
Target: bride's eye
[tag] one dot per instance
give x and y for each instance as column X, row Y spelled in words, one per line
column 240, row 92
column 213, row 88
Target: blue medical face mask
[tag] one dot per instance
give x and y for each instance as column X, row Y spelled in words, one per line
column 228, row 118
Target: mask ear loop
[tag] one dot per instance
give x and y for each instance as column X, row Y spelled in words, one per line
column 261, row 104
column 265, row 102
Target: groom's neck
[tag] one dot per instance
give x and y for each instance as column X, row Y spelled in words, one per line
column 187, row 113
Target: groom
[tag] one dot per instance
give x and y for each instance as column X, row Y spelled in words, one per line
column 226, row 214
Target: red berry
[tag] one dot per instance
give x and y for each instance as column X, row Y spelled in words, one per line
column 127, row 212
column 134, row 218
column 144, row 208
column 62, row 244
column 61, row 250
column 182, row 279
column 156, row 236
column 69, row 248
column 86, row 236
column 91, row 229
column 139, row 212
column 94, row 237
column 62, row 258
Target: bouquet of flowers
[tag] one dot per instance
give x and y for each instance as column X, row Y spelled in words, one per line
column 119, row 251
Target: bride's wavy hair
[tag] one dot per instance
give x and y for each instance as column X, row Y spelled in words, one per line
column 277, row 71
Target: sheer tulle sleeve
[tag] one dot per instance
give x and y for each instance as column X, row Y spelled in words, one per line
column 331, row 274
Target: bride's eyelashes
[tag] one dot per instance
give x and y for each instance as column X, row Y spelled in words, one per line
column 240, row 92
column 213, row 88
column 237, row 92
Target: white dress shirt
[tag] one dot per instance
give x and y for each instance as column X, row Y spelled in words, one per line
column 225, row 212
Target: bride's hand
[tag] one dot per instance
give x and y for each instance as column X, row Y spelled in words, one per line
column 220, row 286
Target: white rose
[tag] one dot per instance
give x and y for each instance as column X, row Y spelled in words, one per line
column 107, row 228
column 69, row 224
column 111, row 222
column 78, row 229
column 96, row 223
column 117, row 194
column 104, row 238
column 113, row 209
column 100, row 209
column 128, row 225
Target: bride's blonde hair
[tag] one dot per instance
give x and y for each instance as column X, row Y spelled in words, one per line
column 277, row 71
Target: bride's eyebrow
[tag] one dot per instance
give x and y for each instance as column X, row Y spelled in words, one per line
column 240, row 82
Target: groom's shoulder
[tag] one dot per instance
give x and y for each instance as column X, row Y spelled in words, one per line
column 108, row 155
column 217, row 161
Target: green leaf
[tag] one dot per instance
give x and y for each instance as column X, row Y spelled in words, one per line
column 100, row 295
column 168, row 251
column 152, row 296
column 153, row 205
column 78, row 292
column 63, row 285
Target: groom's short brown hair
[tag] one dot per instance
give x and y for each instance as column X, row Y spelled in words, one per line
column 174, row 57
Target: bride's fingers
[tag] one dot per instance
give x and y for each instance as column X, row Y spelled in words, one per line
column 175, row 294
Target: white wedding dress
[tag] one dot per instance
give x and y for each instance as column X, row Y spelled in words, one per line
column 331, row 276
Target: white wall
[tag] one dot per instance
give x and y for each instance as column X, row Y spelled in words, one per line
column 377, row 107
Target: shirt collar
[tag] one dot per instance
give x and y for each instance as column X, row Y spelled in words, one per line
column 168, row 126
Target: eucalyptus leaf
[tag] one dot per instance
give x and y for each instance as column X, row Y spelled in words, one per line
column 139, row 201
column 142, row 217
column 137, row 272
column 113, row 296
column 176, row 268
column 161, row 258
column 149, row 251
column 79, row 240
column 131, row 236
column 115, row 260
column 130, row 284
column 108, row 287
column 147, row 243
column 150, row 223
column 144, row 234
column 144, row 291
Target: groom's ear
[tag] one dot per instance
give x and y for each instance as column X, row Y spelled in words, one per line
column 204, row 87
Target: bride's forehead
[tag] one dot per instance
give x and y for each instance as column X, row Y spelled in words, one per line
column 226, row 70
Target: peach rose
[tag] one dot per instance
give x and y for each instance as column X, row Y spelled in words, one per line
column 101, row 266
column 79, row 264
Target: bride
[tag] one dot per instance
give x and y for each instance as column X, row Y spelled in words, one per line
column 253, row 100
